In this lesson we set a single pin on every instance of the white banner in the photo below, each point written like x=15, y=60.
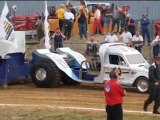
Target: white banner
x=6, y=27
x=46, y=28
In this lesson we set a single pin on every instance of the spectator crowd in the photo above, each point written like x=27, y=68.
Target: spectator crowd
x=106, y=18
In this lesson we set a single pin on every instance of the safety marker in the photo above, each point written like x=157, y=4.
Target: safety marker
x=69, y=107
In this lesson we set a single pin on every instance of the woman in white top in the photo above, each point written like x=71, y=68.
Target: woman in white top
x=137, y=41
x=111, y=38
x=126, y=37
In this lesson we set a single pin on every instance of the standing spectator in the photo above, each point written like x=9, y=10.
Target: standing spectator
x=137, y=41
x=154, y=86
x=126, y=37
x=123, y=12
x=60, y=14
x=52, y=11
x=58, y=39
x=111, y=38
x=145, y=27
x=82, y=20
x=157, y=27
x=116, y=19
x=83, y=6
x=114, y=94
x=156, y=45
x=107, y=17
x=38, y=25
x=73, y=11
x=97, y=20
x=68, y=22
x=130, y=24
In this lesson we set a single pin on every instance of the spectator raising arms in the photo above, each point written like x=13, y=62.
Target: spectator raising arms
x=58, y=39
x=126, y=37
x=60, y=14
x=111, y=38
x=123, y=12
x=144, y=27
x=137, y=41
x=82, y=20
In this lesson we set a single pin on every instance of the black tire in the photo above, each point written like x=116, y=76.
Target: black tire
x=51, y=76
x=142, y=84
x=68, y=81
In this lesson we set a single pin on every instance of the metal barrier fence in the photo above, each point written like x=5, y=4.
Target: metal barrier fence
x=91, y=49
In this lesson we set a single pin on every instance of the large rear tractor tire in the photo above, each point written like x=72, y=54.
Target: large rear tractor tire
x=142, y=84
x=68, y=81
x=45, y=74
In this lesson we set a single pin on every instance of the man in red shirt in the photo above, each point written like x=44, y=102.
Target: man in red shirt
x=157, y=27
x=114, y=94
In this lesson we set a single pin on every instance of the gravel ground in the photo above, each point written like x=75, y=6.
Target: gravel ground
x=79, y=45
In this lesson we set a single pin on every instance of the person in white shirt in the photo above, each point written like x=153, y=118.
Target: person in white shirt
x=111, y=38
x=126, y=37
x=137, y=41
x=156, y=45
x=68, y=22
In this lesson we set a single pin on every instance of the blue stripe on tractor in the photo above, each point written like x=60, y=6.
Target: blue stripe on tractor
x=85, y=76
x=74, y=64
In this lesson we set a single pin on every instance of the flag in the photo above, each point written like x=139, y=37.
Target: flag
x=6, y=27
x=46, y=28
x=5, y=10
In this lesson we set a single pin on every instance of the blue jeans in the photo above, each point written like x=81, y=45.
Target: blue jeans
x=114, y=22
x=82, y=30
x=145, y=31
x=139, y=48
x=156, y=50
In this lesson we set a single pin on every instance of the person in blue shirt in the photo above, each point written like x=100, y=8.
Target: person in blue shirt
x=145, y=27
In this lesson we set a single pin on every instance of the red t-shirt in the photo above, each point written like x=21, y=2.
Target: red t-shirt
x=114, y=92
x=157, y=26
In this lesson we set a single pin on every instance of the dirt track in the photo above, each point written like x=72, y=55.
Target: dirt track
x=74, y=96
x=83, y=95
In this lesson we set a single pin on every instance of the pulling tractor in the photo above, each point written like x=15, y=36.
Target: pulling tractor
x=48, y=69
